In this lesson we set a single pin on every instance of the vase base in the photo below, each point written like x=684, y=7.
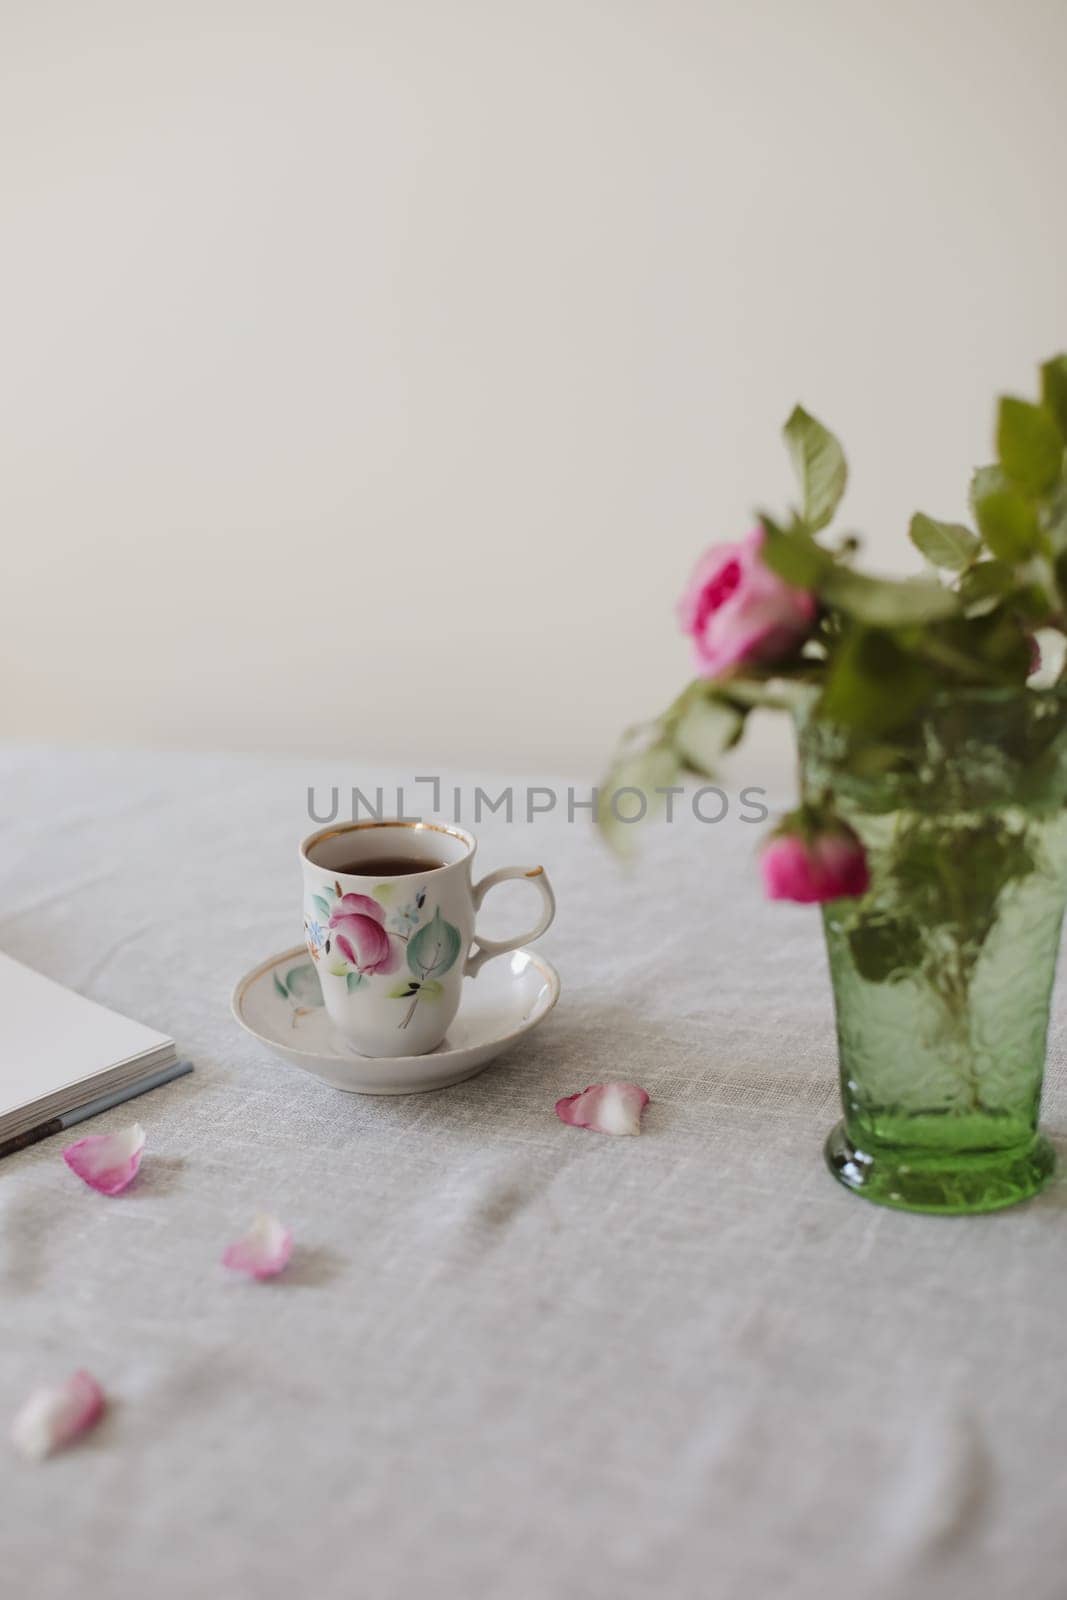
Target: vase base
x=954, y=1185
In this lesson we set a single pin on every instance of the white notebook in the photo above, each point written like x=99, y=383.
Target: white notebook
x=60, y=1053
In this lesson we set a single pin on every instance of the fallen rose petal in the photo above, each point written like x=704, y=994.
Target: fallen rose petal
x=605, y=1108
x=263, y=1251
x=107, y=1162
x=51, y=1418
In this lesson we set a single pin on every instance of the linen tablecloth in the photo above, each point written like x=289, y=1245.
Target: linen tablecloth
x=510, y=1359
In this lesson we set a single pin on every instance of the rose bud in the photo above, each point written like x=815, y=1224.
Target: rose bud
x=812, y=862
x=738, y=612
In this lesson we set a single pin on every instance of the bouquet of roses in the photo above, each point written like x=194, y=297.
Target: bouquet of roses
x=783, y=617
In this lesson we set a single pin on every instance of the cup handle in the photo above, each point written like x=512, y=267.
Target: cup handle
x=487, y=948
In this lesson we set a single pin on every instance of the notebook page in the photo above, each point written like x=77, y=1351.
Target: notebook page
x=52, y=1038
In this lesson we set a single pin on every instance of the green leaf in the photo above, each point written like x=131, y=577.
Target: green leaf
x=888, y=602
x=983, y=481
x=1054, y=519
x=953, y=873
x=353, y=980
x=1006, y=519
x=820, y=466
x=885, y=949
x=992, y=648
x=706, y=730
x=985, y=586
x=874, y=685
x=794, y=555
x=433, y=988
x=303, y=984
x=946, y=544
x=433, y=949
x=1029, y=444
x=655, y=767
x=1033, y=604
x=328, y=893
x=383, y=892
x=337, y=969
x=321, y=906
x=280, y=987
x=403, y=991
x=1054, y=390
x=881, y=602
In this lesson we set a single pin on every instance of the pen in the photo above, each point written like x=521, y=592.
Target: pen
x=92, y=1108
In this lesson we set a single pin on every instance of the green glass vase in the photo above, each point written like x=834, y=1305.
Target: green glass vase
x=942, y=974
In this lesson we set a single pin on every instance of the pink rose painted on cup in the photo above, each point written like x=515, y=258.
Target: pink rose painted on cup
x=813, y=865
x=737, y=611
x=357, y=929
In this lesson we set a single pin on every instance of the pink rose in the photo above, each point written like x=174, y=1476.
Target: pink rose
x=810, y=867
x=737, y=610
x=356, y=928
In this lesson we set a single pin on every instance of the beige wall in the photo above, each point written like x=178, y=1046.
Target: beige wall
x=373, y=372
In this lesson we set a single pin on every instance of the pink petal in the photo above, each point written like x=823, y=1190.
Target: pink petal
x=51, y=1418
x=363, y=942
x=107, y=1162
x=357, y=904
x=830, y=866
x=738, y=611
x=390, y=961
x=605, y=1108
x=263, y=1251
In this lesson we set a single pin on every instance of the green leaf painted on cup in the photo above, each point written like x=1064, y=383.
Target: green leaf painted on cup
x=434, y=948
x=279, y=987
x=322, y=906
x=383, y=892
x=432, y=989
x=402, y=991
x=353, y=981
x=303, y=985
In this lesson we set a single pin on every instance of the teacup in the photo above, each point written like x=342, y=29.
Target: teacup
x=392, y=949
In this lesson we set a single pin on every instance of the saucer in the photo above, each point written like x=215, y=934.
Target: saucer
x=280, y=1004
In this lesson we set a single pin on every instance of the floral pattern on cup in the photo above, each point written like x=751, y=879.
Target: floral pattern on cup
x=356, y=940
x=299, y=988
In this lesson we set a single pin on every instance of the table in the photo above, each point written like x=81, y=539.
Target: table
x=510, y=1359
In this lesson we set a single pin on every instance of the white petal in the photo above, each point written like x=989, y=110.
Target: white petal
x=263, y=1251
x=107, y=1162
x=605, y=1108
x=51, y=1418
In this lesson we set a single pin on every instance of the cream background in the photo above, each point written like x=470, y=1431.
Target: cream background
x=372, y=374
